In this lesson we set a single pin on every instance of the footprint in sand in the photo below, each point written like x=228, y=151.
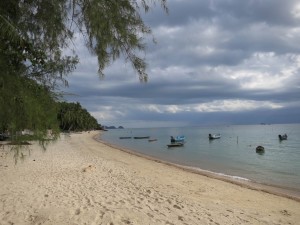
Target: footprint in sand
x=285, y=212
x=88, y=169
x=77, y=212
x=176, y=206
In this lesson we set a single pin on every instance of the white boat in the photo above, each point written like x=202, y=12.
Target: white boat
x=282, y=137
x=214, y=136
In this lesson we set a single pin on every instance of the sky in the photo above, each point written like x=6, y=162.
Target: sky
x=215, y=62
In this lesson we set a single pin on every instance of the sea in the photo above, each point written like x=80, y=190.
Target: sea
x=233, y=155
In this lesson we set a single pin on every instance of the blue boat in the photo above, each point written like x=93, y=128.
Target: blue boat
x=178, y=139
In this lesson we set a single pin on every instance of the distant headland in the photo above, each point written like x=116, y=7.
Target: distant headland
x=113, y=127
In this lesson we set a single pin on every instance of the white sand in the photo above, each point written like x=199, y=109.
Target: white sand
x=81, y=181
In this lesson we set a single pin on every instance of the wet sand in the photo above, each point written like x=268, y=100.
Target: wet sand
x=78, y=180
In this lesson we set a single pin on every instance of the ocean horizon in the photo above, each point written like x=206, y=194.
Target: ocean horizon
x=233, y=155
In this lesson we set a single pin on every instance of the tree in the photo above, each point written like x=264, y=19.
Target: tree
x=41, y=29
x=73, y=117
x=26, y=105
x=33, y=63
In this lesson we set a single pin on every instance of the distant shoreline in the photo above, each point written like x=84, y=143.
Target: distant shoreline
x=270, y=189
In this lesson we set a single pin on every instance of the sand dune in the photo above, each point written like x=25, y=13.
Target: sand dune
x=78, y=180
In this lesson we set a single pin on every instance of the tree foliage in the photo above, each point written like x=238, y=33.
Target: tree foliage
x=26, y=105
x=34, y=36
x=73, y=117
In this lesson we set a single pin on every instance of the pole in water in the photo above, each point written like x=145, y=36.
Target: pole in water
x=237, y=139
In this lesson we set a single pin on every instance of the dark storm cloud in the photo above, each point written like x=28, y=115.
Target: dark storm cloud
x=227, y=13
x=226, y=61
x=180, y=13
x=272, y=12
x=242, y=27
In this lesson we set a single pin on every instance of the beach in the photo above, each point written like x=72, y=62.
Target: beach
x=79, y=180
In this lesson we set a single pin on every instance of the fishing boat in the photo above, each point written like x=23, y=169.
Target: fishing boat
x=125, y=137
x=178, y=144
x=260, y=149
x=152, y=139
x=142, y=137
x=214, y=136
x=178, y=139
x=282, y=137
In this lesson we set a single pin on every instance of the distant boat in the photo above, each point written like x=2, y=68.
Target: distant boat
x=260, y=149
x=214, y=136
x=282, y=137
x=178, y=144
x=141, y=137
x=125, y=137
x=178, y=139
x=3, y=137
x=153, y=139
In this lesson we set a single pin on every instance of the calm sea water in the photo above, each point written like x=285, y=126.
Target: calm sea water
x=234, y=154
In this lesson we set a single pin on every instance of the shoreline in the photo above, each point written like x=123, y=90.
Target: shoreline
x=243, y=182
x=80, y=180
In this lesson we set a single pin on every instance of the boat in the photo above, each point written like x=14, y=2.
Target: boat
x=142, y=137
x=282, y=137
x=125, y=137
x=260, y=149
x=3, y=137
x=178, y=139
x=214, y=136
x=153, y=139
x=178, y=144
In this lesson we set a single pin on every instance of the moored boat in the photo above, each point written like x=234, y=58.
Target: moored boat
x=178, y=144
x=282, y=137
x=152, y=139
x=141, y=137
x=178, y=139
x=260, y=149
x=125, y=137
x=4, y=137
x=214, y=136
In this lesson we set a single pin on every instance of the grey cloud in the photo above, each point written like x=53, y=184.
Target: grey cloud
x=200, y=45
x=272, y=12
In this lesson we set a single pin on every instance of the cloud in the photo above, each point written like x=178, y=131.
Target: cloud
x=225, y=61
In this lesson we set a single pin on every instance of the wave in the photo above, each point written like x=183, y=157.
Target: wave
x=218, y=174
